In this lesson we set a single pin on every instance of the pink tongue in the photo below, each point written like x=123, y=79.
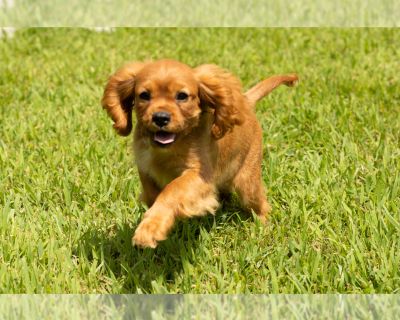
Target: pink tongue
x=164, y=137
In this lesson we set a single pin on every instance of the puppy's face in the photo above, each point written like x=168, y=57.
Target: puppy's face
x=168, y=98
x=166, y=101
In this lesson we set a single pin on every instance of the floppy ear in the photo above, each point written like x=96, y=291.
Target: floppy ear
x=118, y=97
x=221, y=91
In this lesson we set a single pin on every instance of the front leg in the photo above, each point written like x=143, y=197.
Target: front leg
x=150, y=190
x=186, y=196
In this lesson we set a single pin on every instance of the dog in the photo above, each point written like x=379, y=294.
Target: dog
x=196, y=137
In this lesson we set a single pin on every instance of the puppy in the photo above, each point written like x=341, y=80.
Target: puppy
x=196, y=137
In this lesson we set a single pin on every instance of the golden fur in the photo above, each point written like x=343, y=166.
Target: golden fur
x=216, y=139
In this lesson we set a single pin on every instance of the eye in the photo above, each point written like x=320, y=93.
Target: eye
x=182, y=96
x=145, y=96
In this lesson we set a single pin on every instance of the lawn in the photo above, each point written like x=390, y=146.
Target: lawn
x=69, y=189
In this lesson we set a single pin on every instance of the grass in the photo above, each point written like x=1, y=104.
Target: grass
x=225, y=13
x=69, y=190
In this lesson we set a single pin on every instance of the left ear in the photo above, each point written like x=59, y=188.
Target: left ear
x=221, y=91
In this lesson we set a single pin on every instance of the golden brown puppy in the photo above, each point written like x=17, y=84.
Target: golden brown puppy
x=196, y=137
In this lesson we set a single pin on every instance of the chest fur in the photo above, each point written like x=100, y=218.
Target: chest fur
x=162, y=167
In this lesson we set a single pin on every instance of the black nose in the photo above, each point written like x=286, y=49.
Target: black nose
x=161, y=118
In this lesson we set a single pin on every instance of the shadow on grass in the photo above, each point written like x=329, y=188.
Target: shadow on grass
x=150, y=270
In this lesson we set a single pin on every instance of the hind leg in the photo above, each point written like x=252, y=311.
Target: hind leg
x=252, y=196
x=249, y=187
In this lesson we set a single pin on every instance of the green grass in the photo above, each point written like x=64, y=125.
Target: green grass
x=69, y=189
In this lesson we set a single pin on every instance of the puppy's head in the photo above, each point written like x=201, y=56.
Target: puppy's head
x=169, y=98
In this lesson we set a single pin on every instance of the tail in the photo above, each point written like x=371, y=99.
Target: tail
x=260, y=90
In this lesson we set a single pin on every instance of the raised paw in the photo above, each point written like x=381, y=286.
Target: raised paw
x=149, y=232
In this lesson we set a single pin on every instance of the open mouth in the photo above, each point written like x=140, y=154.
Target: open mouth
x=164, y=138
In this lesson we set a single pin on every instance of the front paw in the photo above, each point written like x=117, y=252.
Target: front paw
x=149, y=232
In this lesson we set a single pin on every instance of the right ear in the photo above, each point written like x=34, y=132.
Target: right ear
x=118, y=97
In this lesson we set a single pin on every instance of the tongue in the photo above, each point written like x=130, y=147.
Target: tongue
x=164, y=137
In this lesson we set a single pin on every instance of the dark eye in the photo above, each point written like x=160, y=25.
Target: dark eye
x=182, y=96
x=145, y=96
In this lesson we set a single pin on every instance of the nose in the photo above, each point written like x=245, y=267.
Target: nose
x=161, y=118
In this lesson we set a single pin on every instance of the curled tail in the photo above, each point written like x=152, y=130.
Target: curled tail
x=263, y=88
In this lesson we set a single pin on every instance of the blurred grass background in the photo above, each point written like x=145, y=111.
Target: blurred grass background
x=205, y=13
